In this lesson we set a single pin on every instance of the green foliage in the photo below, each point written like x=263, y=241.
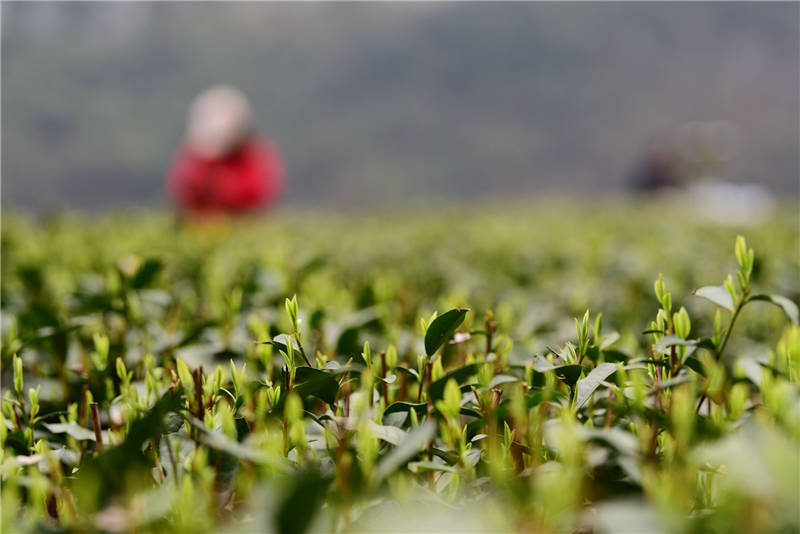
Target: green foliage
x=187, y=401
x=442, y=328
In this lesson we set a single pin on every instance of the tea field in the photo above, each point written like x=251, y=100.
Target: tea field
x=551, y=366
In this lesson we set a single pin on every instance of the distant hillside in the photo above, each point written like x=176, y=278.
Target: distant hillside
x=383, y=103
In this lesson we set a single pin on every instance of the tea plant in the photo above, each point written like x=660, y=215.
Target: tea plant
x=192, y=392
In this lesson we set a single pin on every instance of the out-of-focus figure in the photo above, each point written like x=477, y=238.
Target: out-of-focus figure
x=660, y=169
x=687, y=164
x=224, y=166
x=685, y=155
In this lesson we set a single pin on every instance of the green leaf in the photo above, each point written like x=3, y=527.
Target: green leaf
x=716, y=294
x=388, y=433
x=237, y=386
x=569, y=373
x=399, y=407
x=615, y=356
x=424, y=466
x=666, y=342
x=609, y=339
x=405, y=407
x=71, y=429
x=281, y=341
x=310, y=382
x=414, y=442
x=469, y=412
x=46, y=332
x=752, y=369
x=674, y=381
x=448, y=456
x=185, y=375
x=173, y=423
x=442, y=329
x=502, y=379
x=695, y=365
x=125, y=465
x=591, y=382
x=220, y=442
x=740, y=250
x=788, y=307
x=682, y=323
x=147, y=273
x=451, y=401
x=436, y=389
x=301, y=499
x=390, y=379
x=412, y=372
x=622, y=441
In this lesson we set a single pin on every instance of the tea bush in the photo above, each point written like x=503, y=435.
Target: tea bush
x=561, y=366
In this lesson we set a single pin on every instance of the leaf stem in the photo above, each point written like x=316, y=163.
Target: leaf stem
x=302, y=351
x=723, y=343
x=383, y=375
x=198, y=393
x=98, y=434
x=171, y=455
x=728, y=331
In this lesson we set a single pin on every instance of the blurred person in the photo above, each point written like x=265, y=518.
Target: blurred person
x=224, y=167
x=660, y=169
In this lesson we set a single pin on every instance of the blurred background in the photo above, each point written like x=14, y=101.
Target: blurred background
x=387, y=104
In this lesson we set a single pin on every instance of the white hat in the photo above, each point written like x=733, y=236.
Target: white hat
x=219, y=119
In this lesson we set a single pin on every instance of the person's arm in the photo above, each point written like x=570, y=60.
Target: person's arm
x=185, y=181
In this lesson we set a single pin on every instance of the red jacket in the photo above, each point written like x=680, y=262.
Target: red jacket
x=249, y=178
